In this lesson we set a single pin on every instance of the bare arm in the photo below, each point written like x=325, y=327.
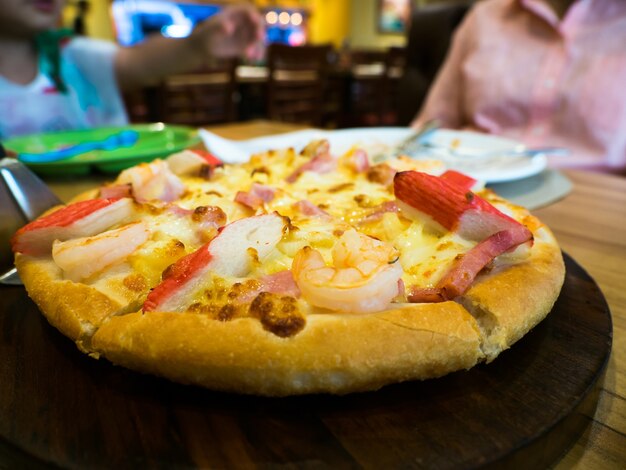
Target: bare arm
x=237, y=31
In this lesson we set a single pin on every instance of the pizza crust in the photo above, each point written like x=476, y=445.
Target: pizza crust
x=512, y=300
x=76, y=310
x=334, y=353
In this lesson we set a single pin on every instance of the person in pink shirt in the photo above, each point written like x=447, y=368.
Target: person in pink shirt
x=545, y=72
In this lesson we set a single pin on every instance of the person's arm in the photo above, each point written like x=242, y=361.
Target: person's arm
x=444, y=101
x=236, y=31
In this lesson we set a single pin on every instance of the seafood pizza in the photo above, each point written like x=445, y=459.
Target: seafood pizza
x=296, y=272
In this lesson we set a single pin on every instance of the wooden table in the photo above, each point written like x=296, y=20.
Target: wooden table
x=590, y=225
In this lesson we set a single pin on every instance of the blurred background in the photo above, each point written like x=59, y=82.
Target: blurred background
x=369, y=59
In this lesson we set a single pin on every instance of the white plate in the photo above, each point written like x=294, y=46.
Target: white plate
x=377, y=139
x=501, y=166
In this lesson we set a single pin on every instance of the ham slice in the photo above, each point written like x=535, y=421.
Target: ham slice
x=308, y=208
x=116, y=191
x=378, y=212
x=322, y=163
x=465, y=269
x=258, y=195
x=358, y=161
x=281, y=283
x=417, y=294
x=467, y=266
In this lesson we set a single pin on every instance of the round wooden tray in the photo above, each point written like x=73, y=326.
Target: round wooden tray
x=60, y=407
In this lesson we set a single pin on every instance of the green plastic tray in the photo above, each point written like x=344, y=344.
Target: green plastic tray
x=155, y=141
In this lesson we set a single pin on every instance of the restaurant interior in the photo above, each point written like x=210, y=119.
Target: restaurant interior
x=329, y=65
x=356, y=57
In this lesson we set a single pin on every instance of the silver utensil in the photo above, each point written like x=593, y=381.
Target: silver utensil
x=10, y=278
x=467, y=154
x=410, y=144
x=23, y=197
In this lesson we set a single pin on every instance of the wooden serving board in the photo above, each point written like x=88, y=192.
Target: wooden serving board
x=59, y=407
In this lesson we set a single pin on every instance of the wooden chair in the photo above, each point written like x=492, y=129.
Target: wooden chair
x=295, y=87
x=395, y=65
x=141, y=105
x=206, y=96
x=367, y=88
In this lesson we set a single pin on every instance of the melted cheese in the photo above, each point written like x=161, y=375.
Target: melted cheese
x=348, y=197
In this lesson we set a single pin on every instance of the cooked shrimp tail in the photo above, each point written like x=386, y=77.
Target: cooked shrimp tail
x=363, y=277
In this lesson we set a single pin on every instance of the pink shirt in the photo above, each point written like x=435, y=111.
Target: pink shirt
x=515, y=69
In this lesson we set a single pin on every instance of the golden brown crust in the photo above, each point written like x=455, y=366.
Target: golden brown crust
x=76, y=310
x=511, y=300
x=333, y=353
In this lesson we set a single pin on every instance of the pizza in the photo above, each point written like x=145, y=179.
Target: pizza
x=300, y=271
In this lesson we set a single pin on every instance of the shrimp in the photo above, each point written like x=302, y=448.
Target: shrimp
x=83, y=257
x=364, y=277
x=151, y=181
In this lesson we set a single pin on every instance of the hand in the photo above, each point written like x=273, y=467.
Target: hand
x=237, y=31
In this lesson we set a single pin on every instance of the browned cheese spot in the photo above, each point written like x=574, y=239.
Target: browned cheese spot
x=242, y=289
x=211, y=309
x=227, y=312
x=151, y=209
x=341, y=187
x=288, y=225
x=444, y=245
x=381, y=173
x=216, y=214
x=135, y=282
x=278, y=314
x=363, y=201
x=254, y=257
x=261, y=170
x=206, y=172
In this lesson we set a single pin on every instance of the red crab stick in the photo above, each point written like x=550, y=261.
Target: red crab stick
x=450, y=205
x=228, y=254
x=460, y=180
x=81, y=219
x=472, y=217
